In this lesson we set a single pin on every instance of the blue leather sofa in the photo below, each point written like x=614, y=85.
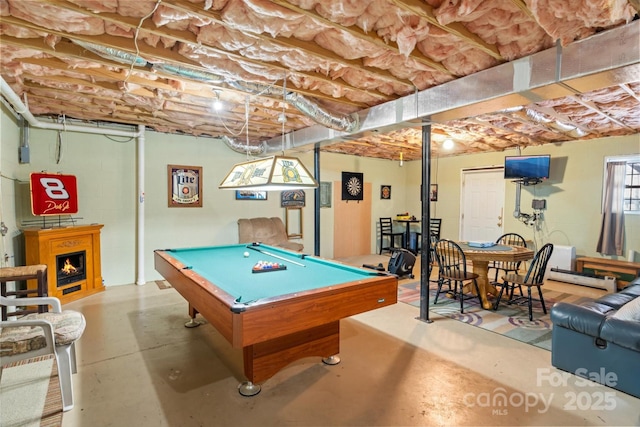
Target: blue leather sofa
x=592, y=341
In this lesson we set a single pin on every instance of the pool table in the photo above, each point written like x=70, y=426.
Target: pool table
x=278, y=316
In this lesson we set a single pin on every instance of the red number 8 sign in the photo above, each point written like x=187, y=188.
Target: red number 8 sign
x=53, y=194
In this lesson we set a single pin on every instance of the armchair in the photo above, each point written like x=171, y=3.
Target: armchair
x=38, y=334
x=270, y=231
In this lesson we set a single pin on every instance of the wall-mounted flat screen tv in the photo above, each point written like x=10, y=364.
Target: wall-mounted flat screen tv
x=527, y=167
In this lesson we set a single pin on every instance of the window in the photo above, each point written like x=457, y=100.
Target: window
x=631, y=193
x=632, y=188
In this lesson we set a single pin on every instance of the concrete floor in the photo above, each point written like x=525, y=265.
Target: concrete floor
x=139, y=366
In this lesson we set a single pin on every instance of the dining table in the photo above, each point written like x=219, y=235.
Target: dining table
x=480, y=258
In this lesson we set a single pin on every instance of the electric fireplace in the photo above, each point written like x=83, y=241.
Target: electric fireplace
x=72, y=256
x=70, y=268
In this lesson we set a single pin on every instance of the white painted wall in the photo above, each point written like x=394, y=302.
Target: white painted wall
x=573, y=193
x=106, y=172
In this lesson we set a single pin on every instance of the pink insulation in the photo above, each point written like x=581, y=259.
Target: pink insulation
x=342, y=55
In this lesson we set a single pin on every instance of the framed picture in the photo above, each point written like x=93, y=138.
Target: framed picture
x=251, y=195
x=385, y=192
x=185, y=186
x=433, y=193
x=292, y=198
x=325, y=194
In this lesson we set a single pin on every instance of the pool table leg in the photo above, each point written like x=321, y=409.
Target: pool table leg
x=192, y=323
x=333, y=360
x=249, y=389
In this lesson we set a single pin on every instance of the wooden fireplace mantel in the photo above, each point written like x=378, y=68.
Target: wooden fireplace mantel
x=42, y=245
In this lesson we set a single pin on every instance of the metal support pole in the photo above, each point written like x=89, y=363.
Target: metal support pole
x=425, y=253
x=316, y=212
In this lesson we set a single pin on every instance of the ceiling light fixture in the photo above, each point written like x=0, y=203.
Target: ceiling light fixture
x=447, y=144
x=401, y=160
x=275, y=173
x=217, y=104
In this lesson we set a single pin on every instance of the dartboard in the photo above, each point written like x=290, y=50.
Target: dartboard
x=354, y=186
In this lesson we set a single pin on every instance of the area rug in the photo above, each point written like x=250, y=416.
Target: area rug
x=509, y=320
x=30, y=393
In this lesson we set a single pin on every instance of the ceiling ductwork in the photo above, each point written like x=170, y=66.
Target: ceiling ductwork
x=238, y=147
x=345, y=123
x=356, y=78
x=570, y=129
x=587, y=65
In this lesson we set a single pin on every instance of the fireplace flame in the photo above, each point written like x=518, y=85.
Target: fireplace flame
x=68, y=267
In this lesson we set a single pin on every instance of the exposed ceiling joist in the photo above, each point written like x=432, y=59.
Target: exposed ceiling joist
x=364, y=36
x=425, y=11
x=361, y=77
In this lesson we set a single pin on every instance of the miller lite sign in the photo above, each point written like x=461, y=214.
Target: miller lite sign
x=53, y=194
x=185, y=186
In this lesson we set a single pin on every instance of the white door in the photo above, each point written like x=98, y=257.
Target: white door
x=482, y=209
x=2, y=252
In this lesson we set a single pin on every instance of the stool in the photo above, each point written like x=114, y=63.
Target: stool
x=30, y=272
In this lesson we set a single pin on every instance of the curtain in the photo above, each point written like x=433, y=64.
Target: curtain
x=611, y=241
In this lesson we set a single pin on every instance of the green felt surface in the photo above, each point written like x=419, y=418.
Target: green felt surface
x=227, y=268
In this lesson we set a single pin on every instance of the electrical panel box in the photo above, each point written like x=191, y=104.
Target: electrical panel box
x=24, y=155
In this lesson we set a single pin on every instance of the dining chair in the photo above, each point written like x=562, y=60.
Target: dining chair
x=432, y=260
x=452, y=267
x=386, y=230
x=533, y=278
x=434, y=229
x=508, y=239
x=434, y=226
x=37, y=334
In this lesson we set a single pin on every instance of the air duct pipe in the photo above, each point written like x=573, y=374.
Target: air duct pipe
x=345, y=123
x=570, y=129
x=183, y=72
x=606, y=58
x=114, y=54
x=242, y=148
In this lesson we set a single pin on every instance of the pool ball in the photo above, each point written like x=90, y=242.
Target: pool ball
x=246, y=254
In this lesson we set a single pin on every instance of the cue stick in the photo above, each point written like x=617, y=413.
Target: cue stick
x=275, y=256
